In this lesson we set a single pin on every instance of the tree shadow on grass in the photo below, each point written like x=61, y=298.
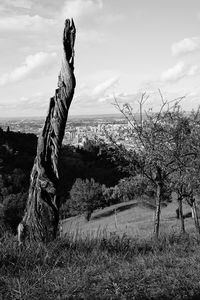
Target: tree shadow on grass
x=112, y=211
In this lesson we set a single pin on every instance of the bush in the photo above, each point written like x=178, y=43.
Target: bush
x=85, y=197
x=13, y=210
x=129, y=188
x=64, y=211
x=110, y=195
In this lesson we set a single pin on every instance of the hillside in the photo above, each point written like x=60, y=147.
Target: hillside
x=132, y=218
x=103, y=266
x=113, y=256
x=17, y=153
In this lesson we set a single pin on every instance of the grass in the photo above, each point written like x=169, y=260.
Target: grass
x=101, y=267
x=132, y=218
x=106, y=259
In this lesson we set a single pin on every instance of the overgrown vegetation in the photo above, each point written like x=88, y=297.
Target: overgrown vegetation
x=102, y=267
x=17, y=152
x=164, y=149
x=165, y=159
x=85, y=197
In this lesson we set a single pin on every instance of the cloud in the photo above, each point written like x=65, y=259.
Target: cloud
x=111, y=18
x=92, y=95
x=25, y=23
x=12, y=6
x=79, y=9
x=105, y=87
x=90, y=36
x=198, y=15
x=89, y=17
x=185, y=46
x=17, y=3
x=31, y=64
x=179, y=71
x=121, y=98
x=35, y=105
x=38, y=102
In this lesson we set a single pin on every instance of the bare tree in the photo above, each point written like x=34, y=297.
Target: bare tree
x=41, y=218
x=186, y=152
x=152, y=138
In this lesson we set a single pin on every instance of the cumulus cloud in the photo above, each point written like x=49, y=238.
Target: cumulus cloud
x=89, y=17
x=198, y=15
x=105, y=90
x=12, y=6
x=90, y=36
x=111, y=18
x=25, y=23
x=105, y=87
x=36, y=104
x=86, y=14
x=185, y=46
x=79, y=9
x=31, y=64
x=18, y=3
x=121, y=98
x=100, y=96
x=179, y=71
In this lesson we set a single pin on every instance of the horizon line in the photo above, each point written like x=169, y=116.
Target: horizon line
x=69, y=116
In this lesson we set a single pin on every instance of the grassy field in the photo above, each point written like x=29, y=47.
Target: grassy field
x=130, y=218
x=106, y=258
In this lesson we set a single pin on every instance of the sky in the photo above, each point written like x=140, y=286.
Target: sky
x=123, y=48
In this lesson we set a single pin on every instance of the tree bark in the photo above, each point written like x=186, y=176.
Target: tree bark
x=158, y=210
x=180, y=207
x=191, y=201
x=41, y=218
x=195, y=216
x=158, y=181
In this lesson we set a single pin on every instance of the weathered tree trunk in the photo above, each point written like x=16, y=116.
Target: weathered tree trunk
x=180, y=207
x=191, y=201
x=195, y=216
x=159, y=185
x=41, y=217
x=158, y=210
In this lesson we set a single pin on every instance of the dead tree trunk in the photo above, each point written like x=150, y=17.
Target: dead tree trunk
x=40, y=221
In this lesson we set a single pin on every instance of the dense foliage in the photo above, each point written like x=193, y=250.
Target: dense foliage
x=86, y=196
x=17, y=153
x=13, y=209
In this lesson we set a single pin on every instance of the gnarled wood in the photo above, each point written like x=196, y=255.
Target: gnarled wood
x=41, y=217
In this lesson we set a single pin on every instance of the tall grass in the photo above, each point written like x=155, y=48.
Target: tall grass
x=101, y=267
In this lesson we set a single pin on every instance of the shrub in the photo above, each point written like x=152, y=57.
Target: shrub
x=13, y=210
x=85, y=197
x=131, y=187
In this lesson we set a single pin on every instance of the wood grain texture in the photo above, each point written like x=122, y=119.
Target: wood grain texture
x=41, y=217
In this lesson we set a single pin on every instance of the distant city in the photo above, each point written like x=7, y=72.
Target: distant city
x=79, y=129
